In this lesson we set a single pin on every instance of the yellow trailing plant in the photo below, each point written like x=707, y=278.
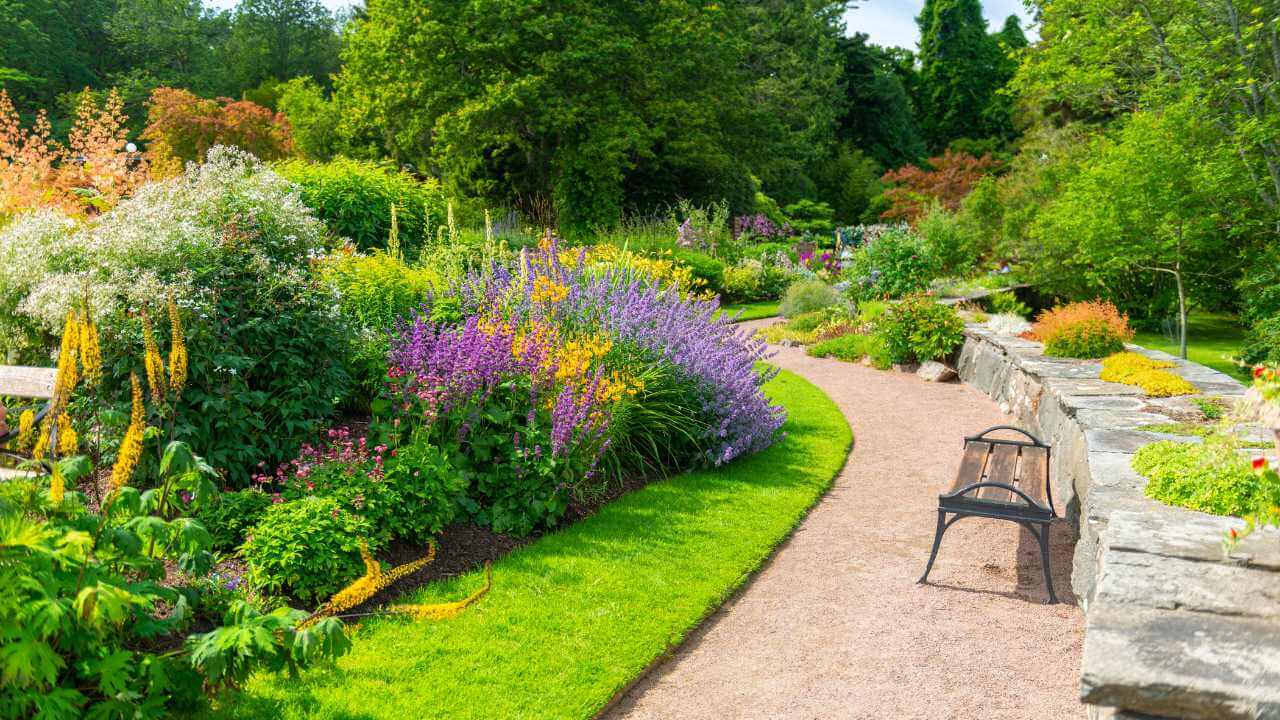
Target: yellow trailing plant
x=375, y=580
x=177, y=349
x=1147, y=373
x=152, y=361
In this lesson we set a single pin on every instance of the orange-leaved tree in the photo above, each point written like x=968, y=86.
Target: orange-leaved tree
x=182, y=126
x=947, y=180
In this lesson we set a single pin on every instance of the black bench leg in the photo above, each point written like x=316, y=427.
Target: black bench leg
x=937, y=541
x=1043, y=537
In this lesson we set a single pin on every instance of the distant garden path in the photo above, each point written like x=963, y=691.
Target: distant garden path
x=835, y=626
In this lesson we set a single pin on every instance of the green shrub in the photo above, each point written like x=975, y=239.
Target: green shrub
x=1262, y=342
x=742, y=282
x=806, y=296
x=895, y=264
x=427, y=489
x=852, y=348
x=353, y=198
x=309, y=548
x=374, y=291
x=918, y=329
x=1209, y=476
x=869, y=310
x=229, y=518
x=1006, y=303
x=947, y=240
x=704, y=268
x=807, y=216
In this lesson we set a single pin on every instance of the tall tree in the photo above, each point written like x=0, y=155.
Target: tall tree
x=50, y=47
x=879, y=117
x=959, y=72
x=570, y=102
x=282, y=39
x=793, y=75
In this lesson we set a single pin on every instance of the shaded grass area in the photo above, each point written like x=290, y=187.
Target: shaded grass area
x=576, y=616
x=1212, y=340
x=752, y=311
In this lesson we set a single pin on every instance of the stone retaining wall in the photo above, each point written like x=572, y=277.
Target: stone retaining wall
x=1173, y=628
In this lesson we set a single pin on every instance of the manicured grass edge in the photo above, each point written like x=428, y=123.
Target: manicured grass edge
x=752, y=311
x=698, y=538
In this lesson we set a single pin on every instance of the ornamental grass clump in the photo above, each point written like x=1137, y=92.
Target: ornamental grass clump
x=1149, y=374
x=1086, y=330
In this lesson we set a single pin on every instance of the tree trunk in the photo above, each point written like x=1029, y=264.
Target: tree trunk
x=1182, y=312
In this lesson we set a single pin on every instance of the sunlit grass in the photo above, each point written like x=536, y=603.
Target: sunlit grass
x=752, y=311
x=574, y=617
x=1212, y=340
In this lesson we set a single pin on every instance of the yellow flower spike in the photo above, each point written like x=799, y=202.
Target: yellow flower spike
x=151, y=359
x=368, y=585
x=65, y=378
x=26, y=430
x=177, y=349
x=41, y=448
x=57, y=485
x=131, y=446
x=441, y=611
x=90, y=352
x=68, y=442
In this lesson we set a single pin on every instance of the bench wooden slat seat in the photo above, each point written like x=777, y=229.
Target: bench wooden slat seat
x=1003, y=480
x=32, y=383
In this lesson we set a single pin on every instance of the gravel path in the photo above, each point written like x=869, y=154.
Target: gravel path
x=835, y=626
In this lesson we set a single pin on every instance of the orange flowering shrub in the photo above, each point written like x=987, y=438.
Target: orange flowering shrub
x=182, y=126
x=88, y=175
x=1089, y=329
x=948, y=179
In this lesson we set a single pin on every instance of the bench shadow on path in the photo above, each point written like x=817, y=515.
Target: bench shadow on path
x=1030, y=575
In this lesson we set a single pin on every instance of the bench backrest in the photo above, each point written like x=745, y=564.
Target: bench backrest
x=27, y=382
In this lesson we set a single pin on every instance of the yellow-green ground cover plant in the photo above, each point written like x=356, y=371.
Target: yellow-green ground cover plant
x=1147, y=373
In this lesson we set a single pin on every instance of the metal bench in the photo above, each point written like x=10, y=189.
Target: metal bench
x=1004, y=480
x=31, y=383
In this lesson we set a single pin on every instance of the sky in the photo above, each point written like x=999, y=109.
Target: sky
x=888, y=22
x=892, y=23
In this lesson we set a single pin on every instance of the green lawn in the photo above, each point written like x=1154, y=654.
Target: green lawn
x=752, y=311
x=574, y=617
x=1212, y=339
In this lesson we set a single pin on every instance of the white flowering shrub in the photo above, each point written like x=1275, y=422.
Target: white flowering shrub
x=233, y=243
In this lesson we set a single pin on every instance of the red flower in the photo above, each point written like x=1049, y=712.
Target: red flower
x=1234, y=535
x=1259, y=463
x=1257, y=371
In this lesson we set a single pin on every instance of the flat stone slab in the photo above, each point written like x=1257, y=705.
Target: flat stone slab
x=1197, y=666
x=1179, y=533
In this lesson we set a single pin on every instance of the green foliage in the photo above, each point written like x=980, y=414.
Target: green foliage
x=919, y=329
x=426, y=489
x=961, y=69
x=309, y=547
x=229, y=517
x=1006, y=303
x=1210, y=477
x=353, y=198
x=374, y=291
x=713, y=93
x=897, y=263
x=878, y=114
x=314, y=119
x=705, y=268
x=1260, y=309
x=805, y=296
x=947, y=239
x=809, y=217
x=852, y=348
x=91, y=627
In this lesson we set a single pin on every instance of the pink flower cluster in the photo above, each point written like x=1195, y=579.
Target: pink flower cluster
x=342, y=449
